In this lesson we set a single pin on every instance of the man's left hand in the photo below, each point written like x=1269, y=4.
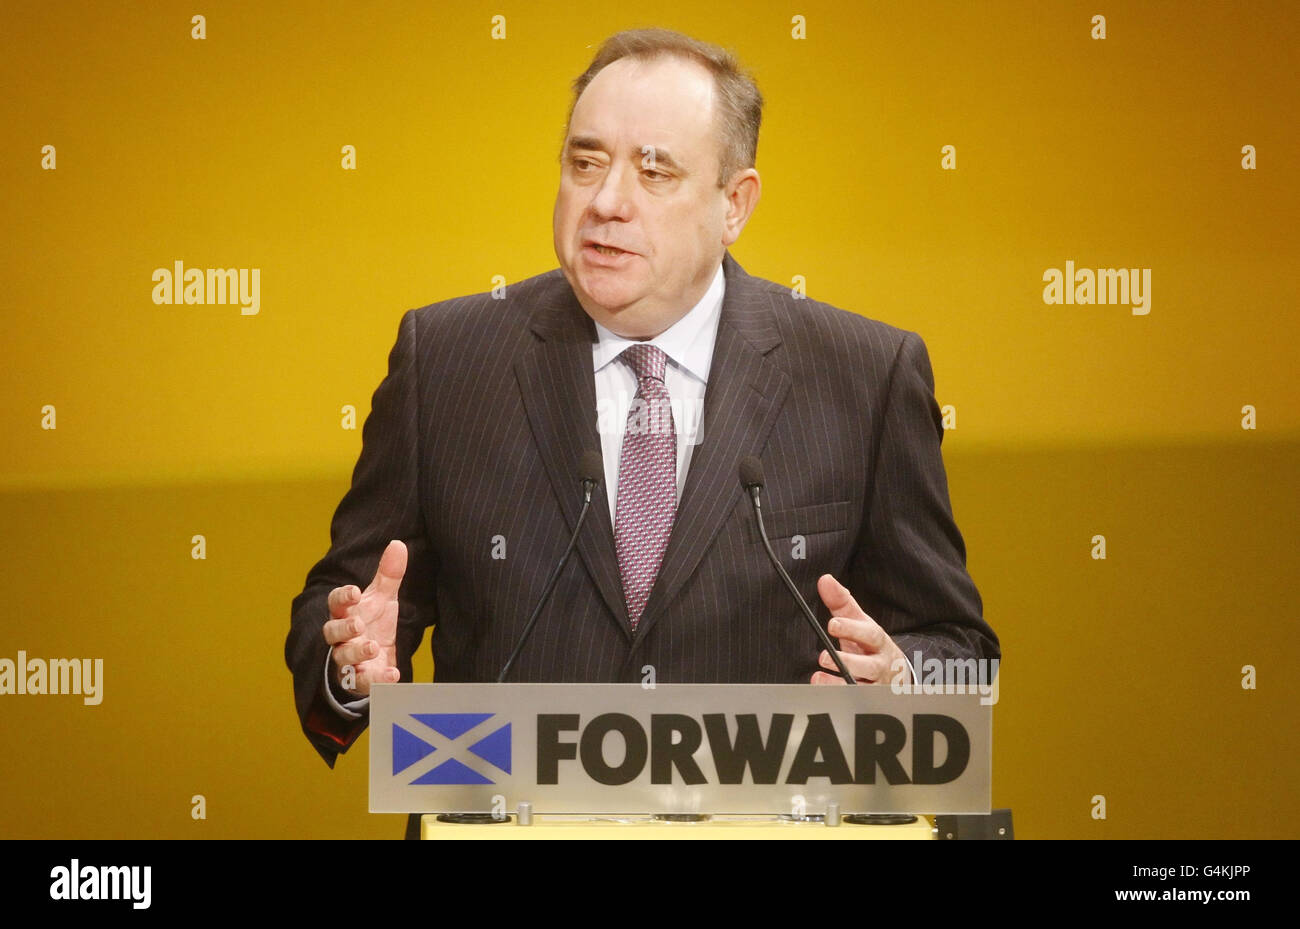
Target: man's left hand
x=866, y=649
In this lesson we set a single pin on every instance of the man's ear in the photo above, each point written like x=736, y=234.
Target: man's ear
x=743, y=191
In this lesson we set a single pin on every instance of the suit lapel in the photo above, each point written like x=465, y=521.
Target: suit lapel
x=559, y=390
x=741, y=402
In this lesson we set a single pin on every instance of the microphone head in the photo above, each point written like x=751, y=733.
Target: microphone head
x=592, y=467
x=751, y=472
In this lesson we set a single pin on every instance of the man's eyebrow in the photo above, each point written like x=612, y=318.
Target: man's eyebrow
x=662, y=157
x=586, y=143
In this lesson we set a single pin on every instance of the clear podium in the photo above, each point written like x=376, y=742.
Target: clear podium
x=680, y=761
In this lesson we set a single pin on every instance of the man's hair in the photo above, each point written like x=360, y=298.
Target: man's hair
x=739, y=105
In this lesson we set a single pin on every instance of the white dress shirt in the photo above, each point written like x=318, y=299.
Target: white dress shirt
x=688, y=343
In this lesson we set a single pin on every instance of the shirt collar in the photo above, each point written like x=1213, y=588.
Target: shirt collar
x=687, y=342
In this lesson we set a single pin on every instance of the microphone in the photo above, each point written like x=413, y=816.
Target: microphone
x=751, y=478
x=590, y=469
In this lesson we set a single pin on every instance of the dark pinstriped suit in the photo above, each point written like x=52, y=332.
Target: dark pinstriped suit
x=477, y=432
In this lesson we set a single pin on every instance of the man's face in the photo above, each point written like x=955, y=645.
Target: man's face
x=639, y=173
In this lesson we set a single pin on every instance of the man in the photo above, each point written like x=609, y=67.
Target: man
x=469, y=478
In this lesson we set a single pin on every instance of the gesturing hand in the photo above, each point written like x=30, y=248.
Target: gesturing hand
x=362, y=627
x=866, y=649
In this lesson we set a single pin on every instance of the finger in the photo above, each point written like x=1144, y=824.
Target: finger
x=355, y=651
x=392, y=568
x=838, y=599
x=341, y=598
x=868, y=668
x=821, y=677
x=378, y=673
x=374, y=672
x=865, y=633
x=338, y=631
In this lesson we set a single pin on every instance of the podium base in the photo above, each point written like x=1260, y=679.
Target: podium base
x=472, y=819
x=649, y=827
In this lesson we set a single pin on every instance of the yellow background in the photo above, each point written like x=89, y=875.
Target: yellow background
x=1122, y=677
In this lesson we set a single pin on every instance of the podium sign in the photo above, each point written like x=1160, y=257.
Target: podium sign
x=677, y=748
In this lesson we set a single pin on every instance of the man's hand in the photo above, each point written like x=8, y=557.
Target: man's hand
x=362, y=627
x=867, y=650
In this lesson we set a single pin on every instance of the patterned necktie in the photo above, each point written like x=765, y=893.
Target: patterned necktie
x=647, y=479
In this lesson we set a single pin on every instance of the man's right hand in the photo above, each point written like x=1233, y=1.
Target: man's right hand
x=362, y=627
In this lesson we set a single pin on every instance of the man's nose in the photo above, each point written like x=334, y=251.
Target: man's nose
x=613, y=200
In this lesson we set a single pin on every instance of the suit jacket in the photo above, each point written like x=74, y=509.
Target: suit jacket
x=473, y=445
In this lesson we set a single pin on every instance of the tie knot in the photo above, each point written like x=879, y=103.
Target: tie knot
x=646, y=360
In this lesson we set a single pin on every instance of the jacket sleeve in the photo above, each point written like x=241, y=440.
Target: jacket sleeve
x=911, y=560
x=383, y=503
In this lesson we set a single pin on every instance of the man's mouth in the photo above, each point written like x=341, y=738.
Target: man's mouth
x=607, y=250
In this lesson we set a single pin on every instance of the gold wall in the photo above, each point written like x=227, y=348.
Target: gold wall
x=1122, y=677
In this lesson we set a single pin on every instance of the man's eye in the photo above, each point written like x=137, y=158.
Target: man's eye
x=656, y=175
x=582, y=164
